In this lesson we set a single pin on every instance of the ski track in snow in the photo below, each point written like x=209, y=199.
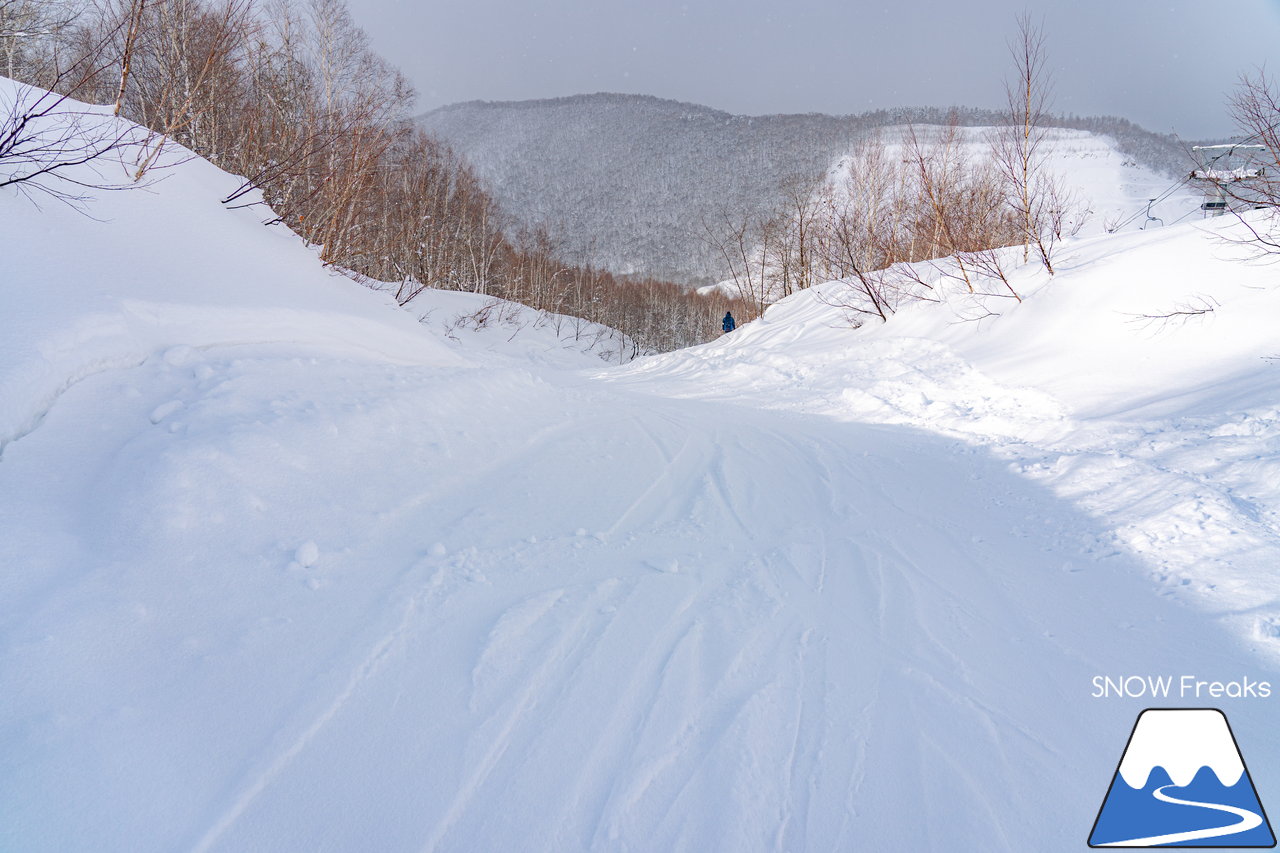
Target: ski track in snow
x=1179, y=483
x=777, y=631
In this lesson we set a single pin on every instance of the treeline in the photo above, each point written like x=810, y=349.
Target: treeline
x=916, y=215
x=291, y=96
x=899, y=219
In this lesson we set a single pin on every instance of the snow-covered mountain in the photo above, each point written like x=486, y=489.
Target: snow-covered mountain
x=1182, y=742
x=286, y=568
x=629, y=180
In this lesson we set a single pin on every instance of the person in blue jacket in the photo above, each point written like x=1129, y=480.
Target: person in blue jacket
x=727, y=323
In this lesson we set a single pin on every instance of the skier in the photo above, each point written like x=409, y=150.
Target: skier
x=727, y=323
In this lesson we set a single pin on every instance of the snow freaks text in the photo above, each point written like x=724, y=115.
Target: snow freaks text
x=1177, y=687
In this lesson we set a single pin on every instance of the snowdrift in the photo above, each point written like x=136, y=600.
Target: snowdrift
x=496, y=330
x=1140, y=381
x=147, y=267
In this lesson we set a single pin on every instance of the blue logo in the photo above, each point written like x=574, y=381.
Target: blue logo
x=1182, y=782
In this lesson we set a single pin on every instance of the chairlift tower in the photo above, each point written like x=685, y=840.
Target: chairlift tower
x=1225, y=172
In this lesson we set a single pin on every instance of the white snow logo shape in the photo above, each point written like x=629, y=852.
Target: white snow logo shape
x=1181, y=782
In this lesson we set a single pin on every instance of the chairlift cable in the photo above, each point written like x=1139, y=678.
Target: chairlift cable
x=1164, y=195
x=1209, y=165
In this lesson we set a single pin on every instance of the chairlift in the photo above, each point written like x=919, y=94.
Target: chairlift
x=1225, y=173
x=1151, y=218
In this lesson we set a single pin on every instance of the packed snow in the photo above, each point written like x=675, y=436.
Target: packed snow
x=289, y=569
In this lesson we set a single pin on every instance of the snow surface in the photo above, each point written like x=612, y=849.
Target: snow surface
x=1166, y=430
x=491, y=329
x=156, y=271
x=288, y=570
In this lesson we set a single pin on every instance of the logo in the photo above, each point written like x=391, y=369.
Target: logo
x=1181, y=782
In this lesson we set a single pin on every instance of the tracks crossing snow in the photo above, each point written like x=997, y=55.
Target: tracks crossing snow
x=774, y=631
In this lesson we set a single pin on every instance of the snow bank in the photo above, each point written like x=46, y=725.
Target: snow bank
x=100, y=289
x=498, y=330
x=1093, y=336
x=1164, y=427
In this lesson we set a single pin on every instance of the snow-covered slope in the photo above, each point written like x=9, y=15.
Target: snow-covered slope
x=1140, y=382
x=1109, y=188
x=287, y=570
x=162, y=264
x=491, y=329
x=1113, y=187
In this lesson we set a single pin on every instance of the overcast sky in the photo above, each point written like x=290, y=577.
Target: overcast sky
x=1166, y=65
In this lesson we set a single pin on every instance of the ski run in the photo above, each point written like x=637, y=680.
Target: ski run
x=289, y=567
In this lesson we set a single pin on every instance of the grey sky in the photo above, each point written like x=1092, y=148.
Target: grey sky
x=1166, y=65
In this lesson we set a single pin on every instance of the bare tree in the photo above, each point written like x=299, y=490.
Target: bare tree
x=1019, y=148
x=133, y=25
x=941, y=171
x=794, y=264
x=745, y=243
x=45, y=136
x=860, y=233
x=1255, y=106
x=190, y=73
x=26, y=27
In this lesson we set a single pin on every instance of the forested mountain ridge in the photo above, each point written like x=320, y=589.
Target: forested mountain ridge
x=627, y=181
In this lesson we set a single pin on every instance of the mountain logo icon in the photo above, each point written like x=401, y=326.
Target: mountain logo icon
x=1182, y=782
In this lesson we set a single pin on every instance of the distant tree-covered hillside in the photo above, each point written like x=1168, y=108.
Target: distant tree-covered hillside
x=626, y=181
